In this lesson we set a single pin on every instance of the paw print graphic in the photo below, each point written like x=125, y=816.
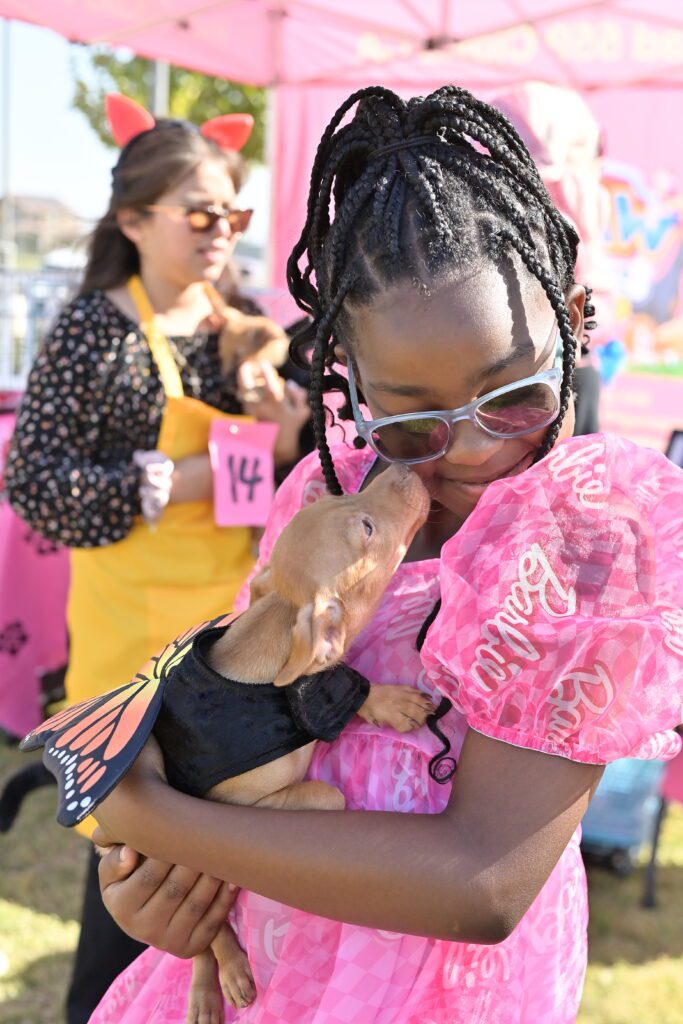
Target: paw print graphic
x=41, y=545
x=12, y=638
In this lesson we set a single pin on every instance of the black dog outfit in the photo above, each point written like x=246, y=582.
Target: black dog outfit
x=212, y=728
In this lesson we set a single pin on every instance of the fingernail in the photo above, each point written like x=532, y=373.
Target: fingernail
x=231, y=886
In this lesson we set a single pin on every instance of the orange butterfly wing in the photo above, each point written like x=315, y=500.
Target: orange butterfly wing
x=90, y=746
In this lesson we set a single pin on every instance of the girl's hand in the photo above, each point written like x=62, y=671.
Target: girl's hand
x=166, y=906
x=266, y=396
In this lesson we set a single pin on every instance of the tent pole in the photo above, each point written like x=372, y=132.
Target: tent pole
x=161, y=88
x=7, y=227
x=276, y=16
x=271, y=163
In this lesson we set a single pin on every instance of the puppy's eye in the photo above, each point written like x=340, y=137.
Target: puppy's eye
x=368, y=526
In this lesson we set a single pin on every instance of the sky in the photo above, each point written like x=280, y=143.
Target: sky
x=53, y=151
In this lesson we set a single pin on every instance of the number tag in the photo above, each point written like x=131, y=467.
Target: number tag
x=242, y=462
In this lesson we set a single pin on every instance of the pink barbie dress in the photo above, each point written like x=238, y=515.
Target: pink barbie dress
x=560, y=630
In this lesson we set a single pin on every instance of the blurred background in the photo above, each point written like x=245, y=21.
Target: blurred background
x=596, y=90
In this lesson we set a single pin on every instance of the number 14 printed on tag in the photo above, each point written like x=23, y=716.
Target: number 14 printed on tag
x=242, y=461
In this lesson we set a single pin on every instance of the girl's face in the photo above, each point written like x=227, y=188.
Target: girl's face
x=417, y=351
x=165, y=242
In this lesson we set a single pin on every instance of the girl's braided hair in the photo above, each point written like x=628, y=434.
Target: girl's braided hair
x=420, y=188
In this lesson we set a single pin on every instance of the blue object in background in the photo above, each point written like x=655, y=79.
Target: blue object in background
x=611, y=358
x=623, y=812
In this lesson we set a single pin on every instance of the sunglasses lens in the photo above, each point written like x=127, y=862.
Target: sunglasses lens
x=204, y=219
x=520, y=411
x=239, y=220
x=411, y=440
x=201, y=220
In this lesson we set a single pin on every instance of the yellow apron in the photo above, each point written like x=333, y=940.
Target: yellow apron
x=130, y=598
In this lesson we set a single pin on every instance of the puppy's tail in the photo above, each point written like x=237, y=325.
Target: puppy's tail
x=17, y=788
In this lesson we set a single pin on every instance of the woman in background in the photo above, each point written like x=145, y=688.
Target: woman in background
x=110, y=453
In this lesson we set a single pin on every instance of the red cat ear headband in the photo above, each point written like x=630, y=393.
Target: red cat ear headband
x=127, y=119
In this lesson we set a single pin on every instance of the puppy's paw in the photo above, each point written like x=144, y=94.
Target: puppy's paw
x=237, y=981
x=399, y=707
x=205, y=1003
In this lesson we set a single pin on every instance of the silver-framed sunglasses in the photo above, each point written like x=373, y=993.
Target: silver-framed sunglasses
x=517, y=409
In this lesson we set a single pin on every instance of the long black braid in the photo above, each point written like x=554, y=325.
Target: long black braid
x=420, y=188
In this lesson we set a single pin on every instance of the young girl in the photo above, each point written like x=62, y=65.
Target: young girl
x=444, y=280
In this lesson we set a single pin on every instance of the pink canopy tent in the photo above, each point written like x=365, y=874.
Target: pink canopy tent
x=585, y=43
x=625, y=55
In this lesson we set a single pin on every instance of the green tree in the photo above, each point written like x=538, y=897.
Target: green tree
x=193, y=96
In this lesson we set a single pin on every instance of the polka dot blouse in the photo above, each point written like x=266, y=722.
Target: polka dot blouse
x=93, y=397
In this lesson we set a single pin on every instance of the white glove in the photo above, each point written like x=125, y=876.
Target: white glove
x=156, y=479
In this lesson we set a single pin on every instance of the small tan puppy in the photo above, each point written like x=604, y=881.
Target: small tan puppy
x=237, y=705
x=326, y=576
x=251, y=348
x=245, y=336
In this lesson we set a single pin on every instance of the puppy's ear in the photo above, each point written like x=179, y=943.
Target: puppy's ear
x=318, y=640
x=261, y=585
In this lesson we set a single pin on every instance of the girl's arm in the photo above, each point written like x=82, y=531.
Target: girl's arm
x=468, y=874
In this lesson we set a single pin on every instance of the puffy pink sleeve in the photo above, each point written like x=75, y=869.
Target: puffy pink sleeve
x=561, y=626
x=303, y=486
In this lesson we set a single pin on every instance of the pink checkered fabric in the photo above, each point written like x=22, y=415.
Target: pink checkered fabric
x=309, y=970
x=561, y=627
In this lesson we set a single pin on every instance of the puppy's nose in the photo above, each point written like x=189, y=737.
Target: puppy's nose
x=399, y=474
x=407, y=480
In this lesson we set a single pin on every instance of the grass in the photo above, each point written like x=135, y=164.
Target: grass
x=661, y=369
x=43, y=867
x=635, y=974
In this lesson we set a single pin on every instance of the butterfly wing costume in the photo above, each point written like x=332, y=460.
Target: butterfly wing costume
x=210, y=728
x=89, y=747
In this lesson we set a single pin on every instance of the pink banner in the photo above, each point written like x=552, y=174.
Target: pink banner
x=34, y=581
x=643, y=407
